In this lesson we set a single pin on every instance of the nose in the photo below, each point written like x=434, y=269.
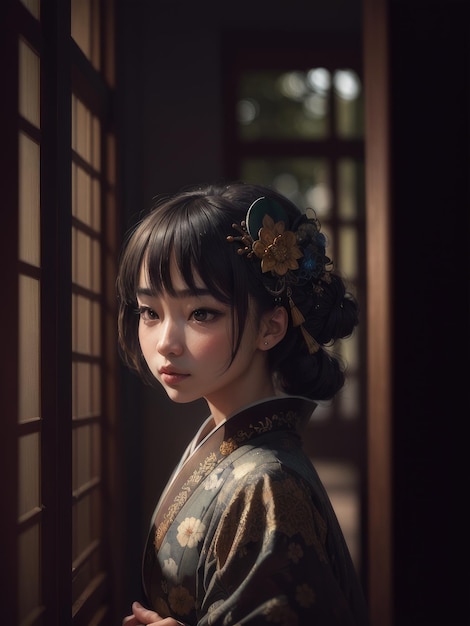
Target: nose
x=170, y=338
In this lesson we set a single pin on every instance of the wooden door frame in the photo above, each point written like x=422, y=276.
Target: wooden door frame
x=379, y=340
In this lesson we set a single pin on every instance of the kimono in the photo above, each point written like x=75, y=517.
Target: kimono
x=244, y=532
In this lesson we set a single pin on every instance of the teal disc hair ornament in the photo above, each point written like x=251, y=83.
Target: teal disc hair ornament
x=258, y=210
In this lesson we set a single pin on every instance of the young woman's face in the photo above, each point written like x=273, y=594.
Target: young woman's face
x=186, y=340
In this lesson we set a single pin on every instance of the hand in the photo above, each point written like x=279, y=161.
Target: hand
x=142, y=616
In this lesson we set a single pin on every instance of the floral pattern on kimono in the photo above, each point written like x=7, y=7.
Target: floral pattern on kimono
x=246, y=533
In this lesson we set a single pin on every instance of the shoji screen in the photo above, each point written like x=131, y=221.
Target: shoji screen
x=59, y=476
x=30, y=503
x=93, y=248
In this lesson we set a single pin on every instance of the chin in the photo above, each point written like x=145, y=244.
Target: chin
x=179, y=398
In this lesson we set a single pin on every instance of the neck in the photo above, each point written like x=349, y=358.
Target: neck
x=221, y=409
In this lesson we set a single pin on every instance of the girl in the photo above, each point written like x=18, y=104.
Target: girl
x=226, y=294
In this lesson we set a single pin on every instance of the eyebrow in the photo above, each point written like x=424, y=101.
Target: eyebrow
x=181, y=293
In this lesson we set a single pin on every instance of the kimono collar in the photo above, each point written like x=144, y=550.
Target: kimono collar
x=280, y=413
x=284, y=412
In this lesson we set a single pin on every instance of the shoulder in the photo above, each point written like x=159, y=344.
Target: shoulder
x=264, y=502
x=260, y=478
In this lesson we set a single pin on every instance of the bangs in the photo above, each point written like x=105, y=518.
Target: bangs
x=192, y=234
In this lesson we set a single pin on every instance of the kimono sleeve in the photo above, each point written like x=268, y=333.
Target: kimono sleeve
x=266, y=559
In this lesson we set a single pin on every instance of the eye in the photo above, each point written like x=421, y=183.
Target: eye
x=147, y=314
x=204, y=315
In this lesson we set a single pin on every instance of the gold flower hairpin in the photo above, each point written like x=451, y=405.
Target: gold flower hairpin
x=263, y=233
x=276, y=247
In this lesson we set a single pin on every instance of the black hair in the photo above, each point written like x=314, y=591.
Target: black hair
x=191, y=229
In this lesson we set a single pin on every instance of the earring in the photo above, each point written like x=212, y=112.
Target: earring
x=266, y=343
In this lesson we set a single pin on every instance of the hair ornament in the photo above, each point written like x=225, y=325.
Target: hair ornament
x=297, y=318
x=259, y=209
x=298, y=321
x=313, y=244
x=276, y=247
x=294, y=257
x=245, y=239
x=312, y=345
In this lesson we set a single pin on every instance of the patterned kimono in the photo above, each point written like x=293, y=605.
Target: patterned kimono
x=244, y=532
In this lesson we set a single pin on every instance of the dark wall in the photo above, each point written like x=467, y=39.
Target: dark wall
x=430, y=115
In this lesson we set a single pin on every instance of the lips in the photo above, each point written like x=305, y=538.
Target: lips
x=171, y=376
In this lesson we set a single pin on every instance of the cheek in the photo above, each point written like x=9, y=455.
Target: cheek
x=145, y=338
x=211, y=346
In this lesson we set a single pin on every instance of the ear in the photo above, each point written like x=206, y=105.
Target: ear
x=273, y=328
